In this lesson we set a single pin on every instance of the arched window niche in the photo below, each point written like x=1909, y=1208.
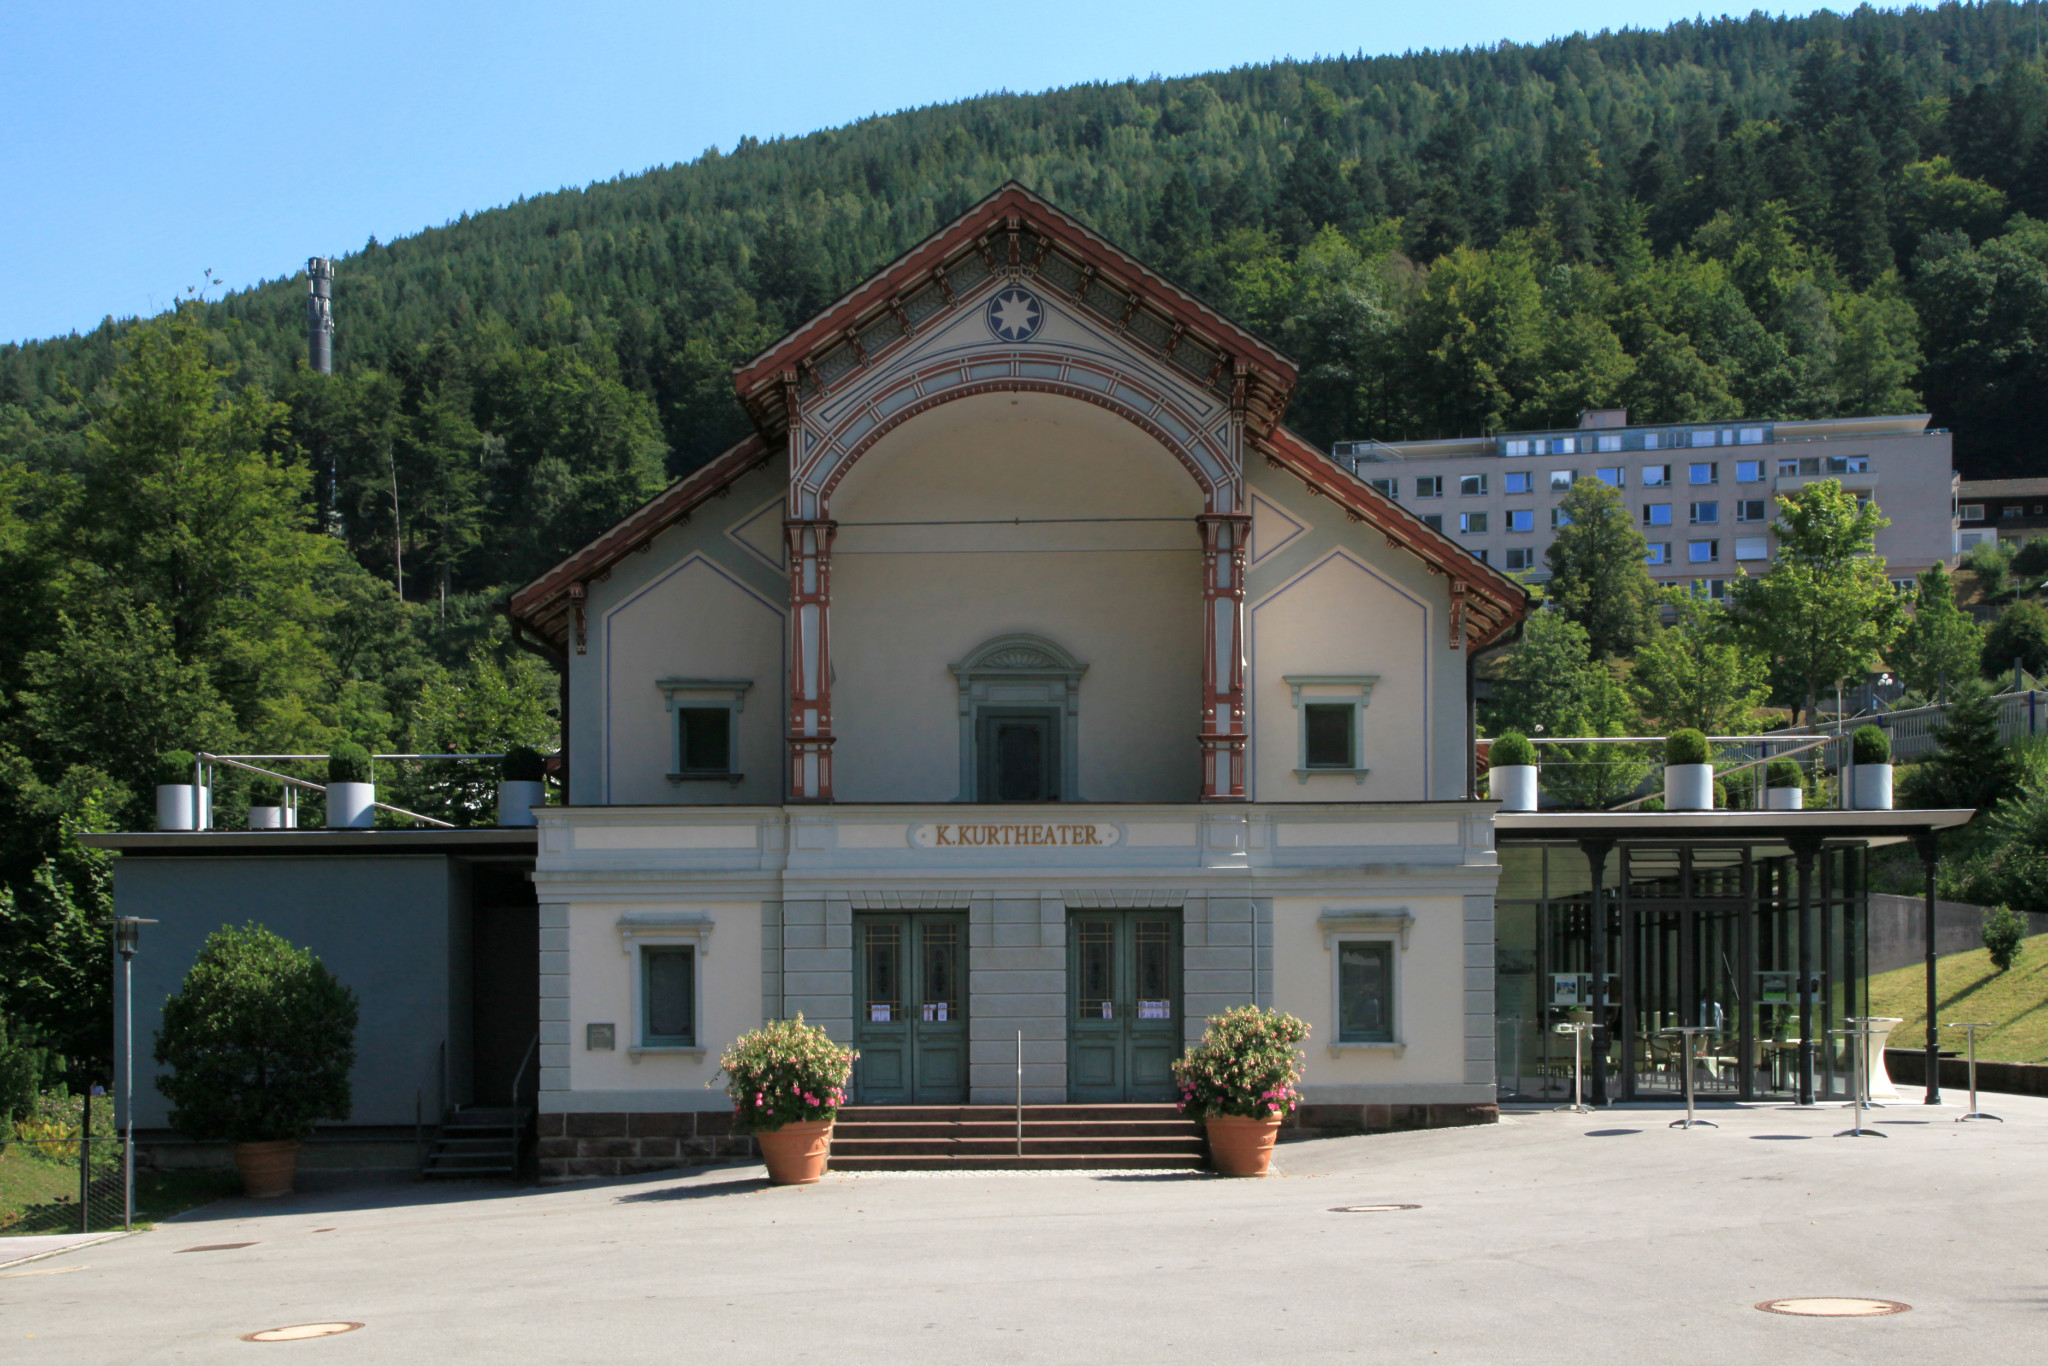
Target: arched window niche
x=1020, y=721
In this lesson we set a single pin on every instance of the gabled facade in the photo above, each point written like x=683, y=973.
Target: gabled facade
x=1022, y=682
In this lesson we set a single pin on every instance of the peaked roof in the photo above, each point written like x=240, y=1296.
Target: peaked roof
x=1010, y=227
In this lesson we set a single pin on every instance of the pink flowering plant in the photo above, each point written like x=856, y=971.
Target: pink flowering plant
x=786, y=1072
x=1245, y=1065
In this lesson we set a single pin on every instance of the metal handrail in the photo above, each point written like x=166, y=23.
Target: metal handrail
x=519, y=1077
x=319, y=787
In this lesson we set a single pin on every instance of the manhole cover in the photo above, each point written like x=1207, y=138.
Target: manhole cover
x=1834, y=1307
x=1368, y=1209
x=299, y=1331
x=215, y=1247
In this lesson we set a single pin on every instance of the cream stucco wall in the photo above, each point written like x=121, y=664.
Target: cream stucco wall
x=1016, y=513
x=602, y=987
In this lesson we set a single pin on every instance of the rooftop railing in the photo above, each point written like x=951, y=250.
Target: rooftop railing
x=205, y=763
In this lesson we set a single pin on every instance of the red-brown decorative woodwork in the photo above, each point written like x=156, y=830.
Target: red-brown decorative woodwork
x=810, y=658
x=1224, y=538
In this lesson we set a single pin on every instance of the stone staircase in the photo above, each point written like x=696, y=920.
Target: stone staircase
x=477, y=1141
x=873, y=1138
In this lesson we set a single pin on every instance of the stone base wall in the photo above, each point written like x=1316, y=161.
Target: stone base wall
x=1332, y=1121
x=577, y=1147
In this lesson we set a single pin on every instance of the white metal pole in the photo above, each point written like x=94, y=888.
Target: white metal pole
x=1020, y=1093
x=128, y=1092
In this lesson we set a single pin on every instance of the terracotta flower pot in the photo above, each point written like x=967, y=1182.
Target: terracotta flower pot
x=267, y=1168
x=796, y=1153
x=1242, y=1147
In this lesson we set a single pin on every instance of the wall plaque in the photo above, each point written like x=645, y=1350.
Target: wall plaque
x=1017, y=835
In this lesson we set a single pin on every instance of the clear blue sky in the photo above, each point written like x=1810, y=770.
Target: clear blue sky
x=143, y=144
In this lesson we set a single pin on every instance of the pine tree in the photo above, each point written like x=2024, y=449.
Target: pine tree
x=1974, y=768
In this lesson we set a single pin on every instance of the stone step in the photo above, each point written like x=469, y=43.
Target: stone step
x=1033, y=1129
x=1097, y=1143
x=1125, y=1161
x=860, y=1114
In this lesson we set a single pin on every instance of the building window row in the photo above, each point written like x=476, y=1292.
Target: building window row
x=1699, y=473
x=1582, y=443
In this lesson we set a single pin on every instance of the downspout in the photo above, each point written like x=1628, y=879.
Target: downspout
x=559, y=662
x=1472, y=658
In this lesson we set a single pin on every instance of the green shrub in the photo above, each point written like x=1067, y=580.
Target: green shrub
x=2005, y=932
x=349, y=763
x=1245, y=1065
x=1783, y=773
x=174, y=767
x=1687, y=747
x=265, y=792
x=785, y=1072
x=258, y=1041
x=1721, y=793
x=1870, y=745
x=1992, y=564
x=21, y=1076
x=2030, y=561
x=522, y=764
x=1512, y=749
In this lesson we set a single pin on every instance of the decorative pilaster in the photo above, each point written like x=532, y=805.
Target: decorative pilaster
x=810, y=658
x=1224, y=538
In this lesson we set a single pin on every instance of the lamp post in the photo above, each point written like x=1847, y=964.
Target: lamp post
x=127, y=938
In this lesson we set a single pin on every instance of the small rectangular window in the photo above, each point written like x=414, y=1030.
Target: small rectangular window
x=1752, y=548
x=1848, y=464
x=668, y=991
x=1614, y=476
x=1752, y=436
x=1483, y=555
x=1703, y=552
x=1390, y=487
x=1705, y=514
x=1329, y=734
x=1971, y=512
x=1521, y=558
x=1707, y=472
x=1561, y=481
x=1429, y=486
x=1656, y=514
x=1703, y=438
x=704, y=739
x=1518, y=447
x=1559, y=519
x=1365, y=991
x=1651, y=441
x=1656, y=476
x=1752, y=510
x=1566, y=445
x=1471, y=485
x=1433, y=520
x=1659, y=552
x=2012, y=510
x=1749, y=471
x=1609, y=443
x=1471, y=523
x=1518, y=481
x=1713, y=589
x=1521, y=519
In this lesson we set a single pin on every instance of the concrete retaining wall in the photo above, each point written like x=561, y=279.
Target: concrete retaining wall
x=1898, y=933
x=1908, y=1067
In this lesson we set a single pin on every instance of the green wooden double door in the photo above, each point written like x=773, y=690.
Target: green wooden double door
x=910, y=1009
x=1123, y=1005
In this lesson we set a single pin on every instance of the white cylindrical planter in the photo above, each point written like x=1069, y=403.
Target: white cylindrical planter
x=1688, y=787
x=1870, y=786
x=1784, y=799
x=351, y=806
x=516, y=801
x=174, y=807
x=1513, y=786
x=266, y=818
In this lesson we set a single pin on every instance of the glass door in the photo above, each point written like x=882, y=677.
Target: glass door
x=1123, y=993
x=910, y=1009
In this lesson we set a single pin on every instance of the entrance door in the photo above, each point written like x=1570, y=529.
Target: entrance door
x=910, y=1009
x=1123, y=995
x=1017, y=754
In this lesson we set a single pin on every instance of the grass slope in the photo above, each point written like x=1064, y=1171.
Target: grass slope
x=1967, y=987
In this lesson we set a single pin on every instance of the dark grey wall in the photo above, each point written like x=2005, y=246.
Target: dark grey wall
x=1898, y=929
x=395, y=929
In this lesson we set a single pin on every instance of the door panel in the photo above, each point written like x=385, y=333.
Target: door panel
x=910, y=1009
x=1017, y=754
x=1123, y=983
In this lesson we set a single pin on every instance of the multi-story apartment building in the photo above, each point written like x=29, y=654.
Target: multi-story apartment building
x=2001, y=510
x=1703, y=494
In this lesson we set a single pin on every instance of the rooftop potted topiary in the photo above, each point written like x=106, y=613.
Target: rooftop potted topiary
x=180, y=803
x=1688, y=772
x=1511, y=771
x=351, y=791
x=267, y=810
x=1784, y=786
x=257, y=1046
x=1239, y=1080
x=786, y=1081
x=1870, y=775
x=522, y=785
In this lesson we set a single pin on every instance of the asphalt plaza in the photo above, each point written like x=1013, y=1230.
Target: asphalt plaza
x=1538, y=1240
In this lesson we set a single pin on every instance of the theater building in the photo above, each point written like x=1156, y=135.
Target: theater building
x=1022, y=682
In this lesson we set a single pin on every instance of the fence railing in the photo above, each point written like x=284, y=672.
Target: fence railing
x=204, y=764
x=2020, y=713
x=65, y=1185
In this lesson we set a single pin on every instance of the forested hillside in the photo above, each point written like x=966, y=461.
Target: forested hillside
x=205, y=544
